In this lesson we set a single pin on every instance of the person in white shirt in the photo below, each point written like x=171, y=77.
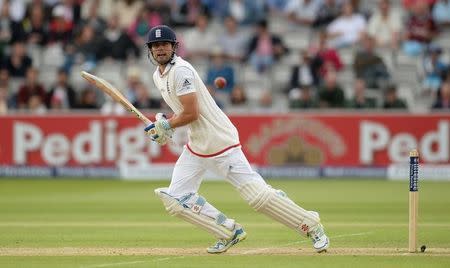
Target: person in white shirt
x=346, y=30
x=213, y=144
x=385, y=25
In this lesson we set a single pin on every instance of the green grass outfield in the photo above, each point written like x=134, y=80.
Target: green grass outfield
x=109, y=223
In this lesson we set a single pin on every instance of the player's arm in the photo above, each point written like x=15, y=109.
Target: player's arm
x=190, y=111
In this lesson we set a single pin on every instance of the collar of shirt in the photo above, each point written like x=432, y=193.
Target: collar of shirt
x=168, y=66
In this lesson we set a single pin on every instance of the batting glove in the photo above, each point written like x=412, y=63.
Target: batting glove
x=160, y=131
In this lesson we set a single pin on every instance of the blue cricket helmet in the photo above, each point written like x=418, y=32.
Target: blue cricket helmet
x=161, y=33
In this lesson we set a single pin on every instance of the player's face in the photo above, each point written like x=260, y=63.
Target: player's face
x=162, y=51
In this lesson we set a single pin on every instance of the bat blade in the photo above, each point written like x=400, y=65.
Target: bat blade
x=115, y=94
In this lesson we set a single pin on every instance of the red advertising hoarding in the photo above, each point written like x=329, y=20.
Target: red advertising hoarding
x=270, y=140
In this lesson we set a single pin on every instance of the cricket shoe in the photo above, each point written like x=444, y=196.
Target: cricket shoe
x=319, y=238
x=224, y=244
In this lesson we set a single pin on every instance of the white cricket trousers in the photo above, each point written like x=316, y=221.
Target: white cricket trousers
x=190, y=168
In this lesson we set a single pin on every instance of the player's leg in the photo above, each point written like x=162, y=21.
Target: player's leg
x=272, y=202
x=182, y=200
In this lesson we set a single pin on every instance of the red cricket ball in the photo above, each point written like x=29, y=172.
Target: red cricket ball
x=220, y=82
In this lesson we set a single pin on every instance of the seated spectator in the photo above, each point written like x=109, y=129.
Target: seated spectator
x=90, y=15
x=360, y=100
x=128, y=10
x=218, y=67
x=232, y=41
x=60, y=28
x=326, y=59
x=36, y=104
x=238, y=96
x=433, y=69
x=391, y=100
x=443, y=102
x=88, y=99
x=303, y=12
x=144, y=100
x=62, y=95
x=18, y=62
x=420, y=30
x=246, y=12
x=346, y=29
x=331, y=94
x=367, y=65
x=31, y=87
x=133, y=80
x=10, y=30
x=302, y=74
x=160, y=12
x=3, y=99
x=35, y=27
x=115, y=43
x=189, y=11
x=265, y=48
x=83, y=50
x=328, y=12
x=199, y=40
x=441, y=12
x=385, y=25
x=302, y=98
x=140, y=26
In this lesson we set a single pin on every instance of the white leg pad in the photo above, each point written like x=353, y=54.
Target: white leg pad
x=191, y=215
x=275, y=204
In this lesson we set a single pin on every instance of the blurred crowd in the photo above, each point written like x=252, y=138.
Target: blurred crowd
x=275, y=54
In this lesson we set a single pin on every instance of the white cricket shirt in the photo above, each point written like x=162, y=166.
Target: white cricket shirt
x=212, y=133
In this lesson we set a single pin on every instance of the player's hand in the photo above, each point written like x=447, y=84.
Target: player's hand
x=160, y=131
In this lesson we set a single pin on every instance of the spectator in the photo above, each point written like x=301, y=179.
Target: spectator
x=3, y=99
x=111, y=107
x=91, y=16
x=88, y=99
x=326, y=59
x=433, y=69
x=31, y=87
x=302, y=74
x=143, y=100
x=328, y=12
x=18, y=62
x=199, y=40
x=36, y=104
x=303, y=12
x=133, y=80
x=385, y=25
x=128, y=11
x=160, y=12
x=62, y=95
x=189, y=12
x=238, y=96
x=218, y=67
x=302, y=98
x=83, y=50
x=60, y=29
x=331, y=94
x=441, y=12
x=115, y=43
x=35, y=27
x=367, y=65
x=391, y=100
x=346, y=29
x=10, y=31
x=360, y=100
x=265, y=48
x=141, y=25
x=232, y=41
x=443, y=102
x=409, y=4
x=420, y=30
x=246, y=12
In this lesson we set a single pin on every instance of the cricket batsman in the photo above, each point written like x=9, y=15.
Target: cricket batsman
x=213, y=145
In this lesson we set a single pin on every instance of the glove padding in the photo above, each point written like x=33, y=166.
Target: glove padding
x=160, y=131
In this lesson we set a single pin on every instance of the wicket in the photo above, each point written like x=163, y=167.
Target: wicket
x=413, y=199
